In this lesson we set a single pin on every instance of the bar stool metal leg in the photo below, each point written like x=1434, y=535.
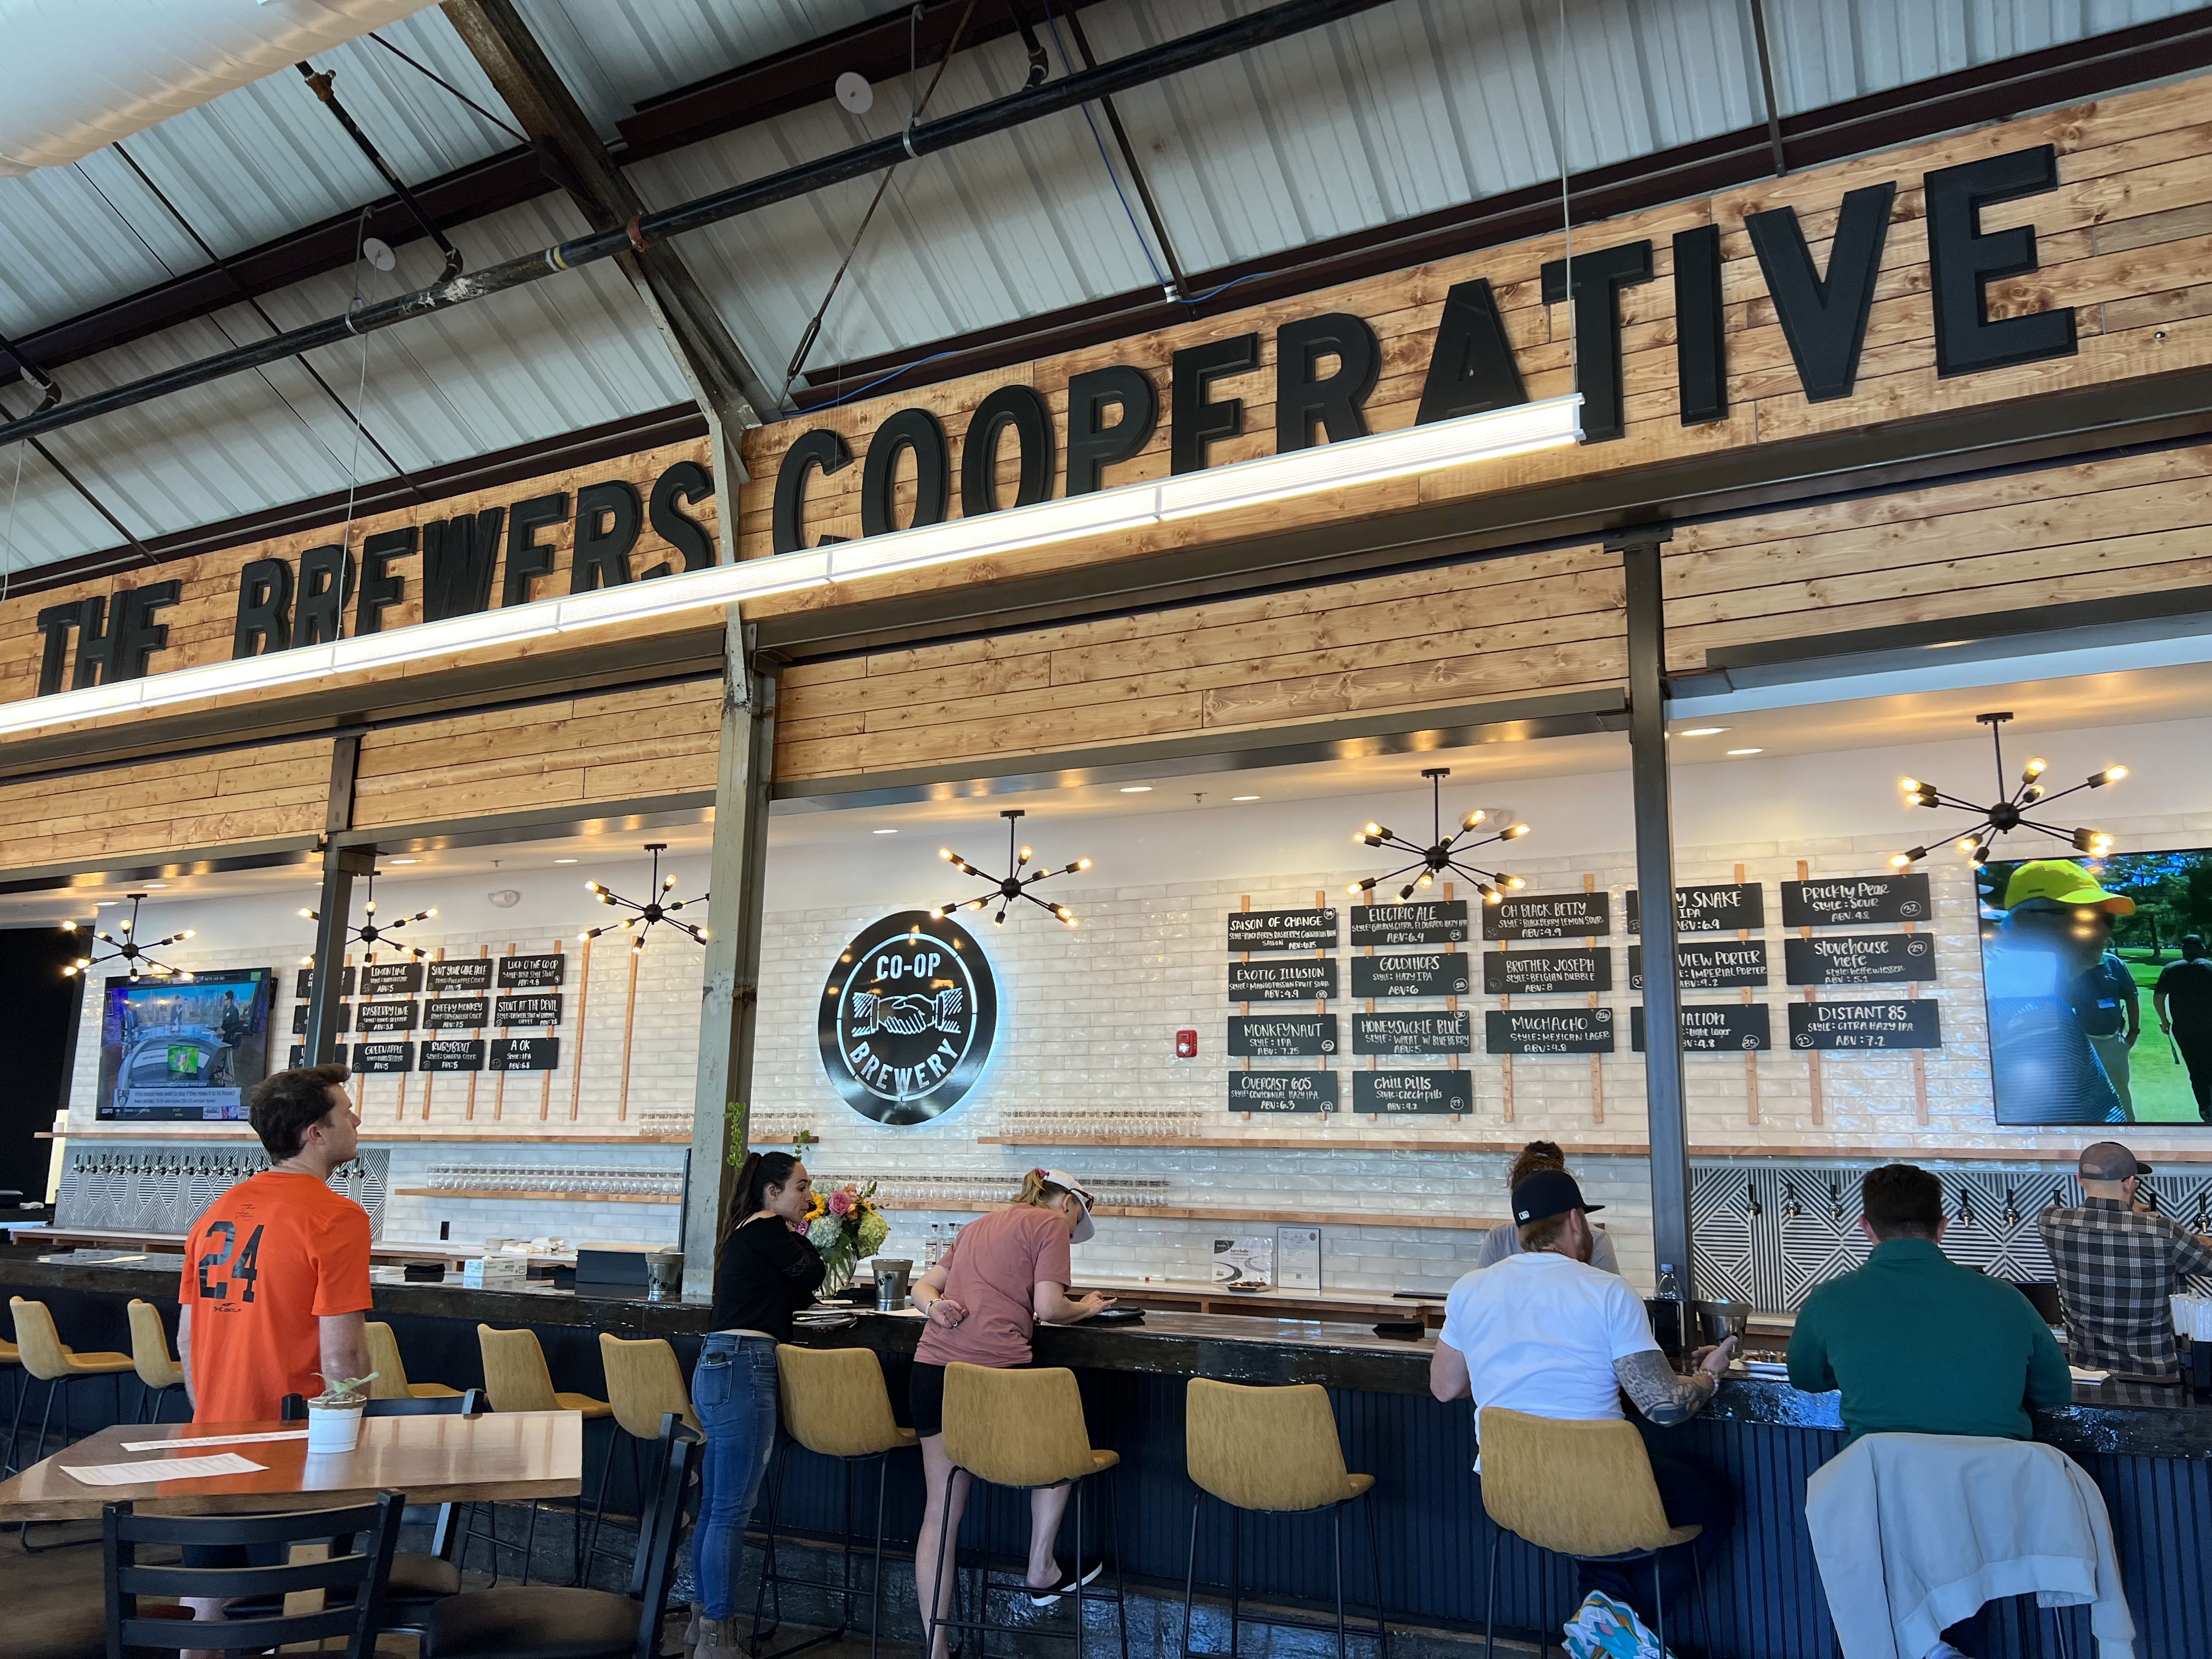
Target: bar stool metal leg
x=1374, y=1559
x=1336, y=1515
x=1190, y=1570
x=1490, y=1596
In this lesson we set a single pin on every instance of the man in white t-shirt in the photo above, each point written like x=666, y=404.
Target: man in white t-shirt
x=1546, y=1334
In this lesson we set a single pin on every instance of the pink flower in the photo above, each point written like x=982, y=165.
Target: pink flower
x=840, y=1202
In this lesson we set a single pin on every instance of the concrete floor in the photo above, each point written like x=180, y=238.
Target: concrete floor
x=51, y=1607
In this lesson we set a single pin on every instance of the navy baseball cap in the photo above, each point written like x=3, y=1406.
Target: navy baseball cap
x=1543, y=1194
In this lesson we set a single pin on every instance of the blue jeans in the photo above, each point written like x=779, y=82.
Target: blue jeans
x=733, y=1391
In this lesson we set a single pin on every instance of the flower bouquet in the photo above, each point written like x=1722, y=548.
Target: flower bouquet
x=844, y=1225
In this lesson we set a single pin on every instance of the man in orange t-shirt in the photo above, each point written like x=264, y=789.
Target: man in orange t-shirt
x=276, y=1280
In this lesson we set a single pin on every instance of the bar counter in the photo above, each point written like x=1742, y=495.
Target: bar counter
x=2149, y=1450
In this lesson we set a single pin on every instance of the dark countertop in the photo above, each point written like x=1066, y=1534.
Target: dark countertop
x=2104, y=1418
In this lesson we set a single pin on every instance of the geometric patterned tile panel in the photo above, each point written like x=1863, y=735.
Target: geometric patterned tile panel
x=1768, y=1233
x=140, y=1187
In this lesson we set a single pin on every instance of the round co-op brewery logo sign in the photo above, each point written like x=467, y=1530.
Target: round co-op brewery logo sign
x=907, y=1018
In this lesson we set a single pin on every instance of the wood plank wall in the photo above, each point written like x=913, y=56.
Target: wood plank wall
x=2125, y=239
x=1515, y=625
x=154, y=807
x=2132, y=524
x=601, y=746
x=1547, y=621
x=201, y=623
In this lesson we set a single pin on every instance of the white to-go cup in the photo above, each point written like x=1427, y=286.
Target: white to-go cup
x=333, y=1428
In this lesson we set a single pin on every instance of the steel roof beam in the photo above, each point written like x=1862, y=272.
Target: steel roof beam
x=1138, y=69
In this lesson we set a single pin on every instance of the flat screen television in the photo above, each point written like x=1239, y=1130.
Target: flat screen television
x=2068, y=980
x=183, y=1049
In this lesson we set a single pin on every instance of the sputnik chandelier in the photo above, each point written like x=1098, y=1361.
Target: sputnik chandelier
x=127, y=949
x=369, y=933
x=1016, y=885
x=653, y=910
x=1444, y=853
x=2011, y=810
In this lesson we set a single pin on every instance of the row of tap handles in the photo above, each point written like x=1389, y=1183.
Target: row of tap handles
x=1962, y=1216
x=218, y=1166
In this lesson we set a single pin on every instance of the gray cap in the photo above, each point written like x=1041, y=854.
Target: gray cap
x=2109, y=1161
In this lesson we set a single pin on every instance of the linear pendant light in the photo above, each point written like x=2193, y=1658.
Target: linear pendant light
x=1553, y=423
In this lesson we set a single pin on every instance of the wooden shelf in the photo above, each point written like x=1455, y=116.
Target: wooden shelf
x=1956, y=1154
x=373, y=1134
x=1312, y=1143
x=541, y=1197
x=1257, y=1218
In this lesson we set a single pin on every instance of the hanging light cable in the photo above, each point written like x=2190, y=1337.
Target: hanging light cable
x=1442, y=853
x=1014, y=885
x=2010, y=809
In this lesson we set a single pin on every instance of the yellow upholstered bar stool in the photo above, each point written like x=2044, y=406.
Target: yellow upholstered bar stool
x=1581, y=1489
x=1024, y=1430
x=833, y=1404
x=158, y=1372
x=12, y=1358
x=1274, y=1451
x=516, y=1379
x=390, y=1371
x=644, y=1384
x=58, y=1367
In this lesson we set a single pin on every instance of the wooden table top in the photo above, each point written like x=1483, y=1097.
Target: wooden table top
x=434, y=1460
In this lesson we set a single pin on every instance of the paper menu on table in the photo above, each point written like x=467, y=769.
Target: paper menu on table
x=215, y=1440
x=164, y=1468
x=1298, y=1258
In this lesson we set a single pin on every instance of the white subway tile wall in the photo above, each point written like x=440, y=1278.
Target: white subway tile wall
x=1085, y=1046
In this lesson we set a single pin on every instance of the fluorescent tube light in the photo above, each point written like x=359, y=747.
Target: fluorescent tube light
x=1553, y=423
x=1101, y=512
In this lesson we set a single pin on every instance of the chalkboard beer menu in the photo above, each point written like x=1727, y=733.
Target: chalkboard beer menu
x=1393, y=926
x=1308, y=979
x=1411, y=1036
x=1719, y=966
x=1716, y=908
x=1854, y=901
x=1545, y=973
x=1282, y=1092
x=1548, y=916
x=1548, y=1031
x=1282, y=930
x=1860, y=958
x=1410, y=974
x=1716, y=1028
x=1904, y=1024
x=1281, y=1037
x=1414, y=1093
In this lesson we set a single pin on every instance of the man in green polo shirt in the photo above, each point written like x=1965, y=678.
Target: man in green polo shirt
x=1918, y=1343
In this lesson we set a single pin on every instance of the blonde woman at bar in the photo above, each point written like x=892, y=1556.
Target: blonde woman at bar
x=983, y=1301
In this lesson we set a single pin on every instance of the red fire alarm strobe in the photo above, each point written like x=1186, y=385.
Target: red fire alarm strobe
x=1186, y=1045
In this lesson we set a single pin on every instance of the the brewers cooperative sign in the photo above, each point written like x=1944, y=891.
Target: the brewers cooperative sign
x=1960, y=272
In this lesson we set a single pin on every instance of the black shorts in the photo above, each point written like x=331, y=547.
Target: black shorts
x=924, y=1396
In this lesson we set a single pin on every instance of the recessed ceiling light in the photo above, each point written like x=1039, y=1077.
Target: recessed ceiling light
x=1243, y=797
x=1136, y=788
x=406, y=861
x=564, y=860
x=1701, y=731
x=1747, y=751
x=157, y=884
x=883, y=832
x=104, y=904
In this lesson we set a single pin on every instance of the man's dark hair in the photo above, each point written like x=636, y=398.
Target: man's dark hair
x=283, y=1108
x=1902, y=1201
x=2192, y=946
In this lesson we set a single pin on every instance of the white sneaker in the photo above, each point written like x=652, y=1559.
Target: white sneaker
x=1943, y=1649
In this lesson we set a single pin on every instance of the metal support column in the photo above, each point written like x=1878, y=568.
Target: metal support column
x=341, y=865
x=1651, y=793
x=730, y=989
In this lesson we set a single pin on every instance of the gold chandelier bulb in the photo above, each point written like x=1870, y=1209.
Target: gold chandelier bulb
x=1899, y=861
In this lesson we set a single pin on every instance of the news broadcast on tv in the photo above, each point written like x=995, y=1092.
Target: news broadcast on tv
x=174, y=1049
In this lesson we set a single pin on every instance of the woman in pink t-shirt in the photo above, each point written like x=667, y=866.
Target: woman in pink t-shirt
x=982, y=1300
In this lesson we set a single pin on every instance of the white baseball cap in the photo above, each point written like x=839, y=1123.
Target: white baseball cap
x=1086, y=1227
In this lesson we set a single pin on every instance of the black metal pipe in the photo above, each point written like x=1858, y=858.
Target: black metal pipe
x=319, y=81
x=1136, y=70
x=1665, y=1097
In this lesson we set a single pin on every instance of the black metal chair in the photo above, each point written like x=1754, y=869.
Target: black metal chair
x=552, y=1621
x=419, y=1579
x=361, y=1540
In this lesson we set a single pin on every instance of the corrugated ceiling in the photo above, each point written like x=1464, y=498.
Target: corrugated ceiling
x=1418, y=105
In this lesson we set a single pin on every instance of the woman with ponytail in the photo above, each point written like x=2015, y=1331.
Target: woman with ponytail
x=766, y=1272
x=982, y=1301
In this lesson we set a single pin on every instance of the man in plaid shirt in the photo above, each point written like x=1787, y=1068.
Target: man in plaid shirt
x=2117, y=1264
